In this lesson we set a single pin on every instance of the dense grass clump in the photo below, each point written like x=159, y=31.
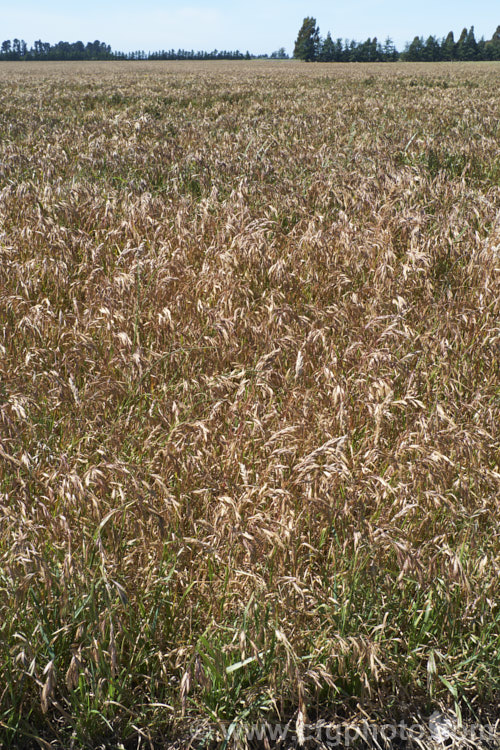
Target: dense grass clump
x=249, y=398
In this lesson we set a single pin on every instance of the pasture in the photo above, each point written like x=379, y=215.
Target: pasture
x=249, y=398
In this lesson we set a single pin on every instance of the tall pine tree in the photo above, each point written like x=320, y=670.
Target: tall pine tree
x=307, y=45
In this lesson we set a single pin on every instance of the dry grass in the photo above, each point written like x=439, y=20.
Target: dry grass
x=249, y=361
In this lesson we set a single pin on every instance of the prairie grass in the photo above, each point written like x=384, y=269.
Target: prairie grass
x=249, y=398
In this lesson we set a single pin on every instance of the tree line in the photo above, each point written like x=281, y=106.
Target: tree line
x=17, y=49
x=311, y=47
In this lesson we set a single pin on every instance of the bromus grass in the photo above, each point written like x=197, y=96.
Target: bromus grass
x=249, y=399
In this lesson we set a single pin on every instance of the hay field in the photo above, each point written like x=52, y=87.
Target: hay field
x=249, y=398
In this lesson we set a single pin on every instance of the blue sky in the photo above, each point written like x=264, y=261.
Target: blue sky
x=259, y=25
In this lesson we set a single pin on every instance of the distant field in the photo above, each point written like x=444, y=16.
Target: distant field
x=249, y=399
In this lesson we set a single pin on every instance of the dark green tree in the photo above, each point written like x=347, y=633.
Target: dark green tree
x=364, y=51
x=279, y=54
x=415, y=52
x=469, y=47
x=375, y=51
x=351, y=52
x=432, y=51
x=448, y=47
x=390, y=53
x=492, y=47
x=307, y=44
x=327, y=53
x=339, y=51
x=459, y=49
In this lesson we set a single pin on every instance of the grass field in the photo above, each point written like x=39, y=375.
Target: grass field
x=249, y=398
